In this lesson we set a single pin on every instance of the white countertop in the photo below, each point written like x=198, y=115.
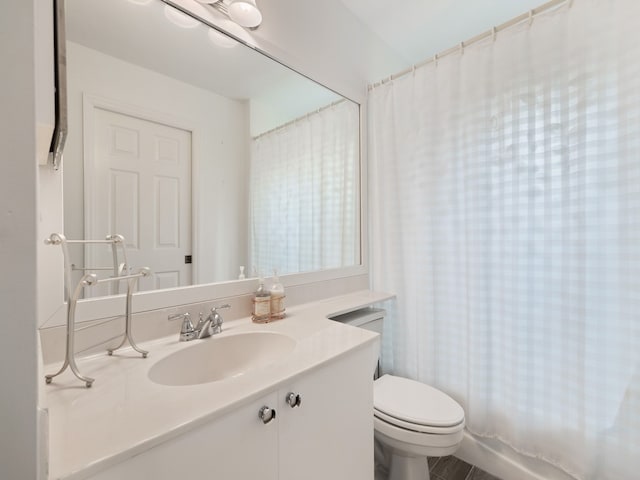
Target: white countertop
x=124, y=413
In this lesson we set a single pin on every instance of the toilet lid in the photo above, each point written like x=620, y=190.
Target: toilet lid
x=415, y=403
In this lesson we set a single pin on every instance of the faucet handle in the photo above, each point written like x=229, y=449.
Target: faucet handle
x=187, y=330
x=186, y=317
x=220, y=307
x=216, y=318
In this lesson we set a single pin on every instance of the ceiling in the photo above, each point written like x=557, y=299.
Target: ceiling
x=416, y=30
x=145, y=33
x=370, y=39
x=140, y=32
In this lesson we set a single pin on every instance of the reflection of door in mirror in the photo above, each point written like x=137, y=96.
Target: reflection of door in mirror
x=138, y=178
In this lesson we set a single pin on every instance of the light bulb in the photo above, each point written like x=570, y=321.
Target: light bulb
x=245, y=13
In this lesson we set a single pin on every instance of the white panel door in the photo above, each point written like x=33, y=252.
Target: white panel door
x=139, y=181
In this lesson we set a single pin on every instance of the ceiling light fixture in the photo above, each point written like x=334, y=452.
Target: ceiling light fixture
x=245, y=13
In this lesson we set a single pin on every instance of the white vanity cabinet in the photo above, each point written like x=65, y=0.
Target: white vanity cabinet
x=329, y=435
x=235, y=446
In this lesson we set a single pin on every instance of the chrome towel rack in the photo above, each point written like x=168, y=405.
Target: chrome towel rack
x=116, y=242
x=121, y=272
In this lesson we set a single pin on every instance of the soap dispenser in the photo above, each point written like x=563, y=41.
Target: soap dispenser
x=261, y=304
x=277, y=298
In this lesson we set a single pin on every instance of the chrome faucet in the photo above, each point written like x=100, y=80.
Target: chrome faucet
x=212, y=324
x=187, y=331
x=206, y=327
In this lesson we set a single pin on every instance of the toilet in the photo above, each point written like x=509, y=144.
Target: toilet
x=411, y=420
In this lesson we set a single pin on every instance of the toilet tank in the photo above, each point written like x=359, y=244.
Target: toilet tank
x=370, y=319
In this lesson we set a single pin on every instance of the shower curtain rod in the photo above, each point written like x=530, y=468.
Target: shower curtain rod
x=489, y=33
x=303, y=117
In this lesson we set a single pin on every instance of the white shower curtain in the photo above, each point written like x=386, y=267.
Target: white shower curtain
x=305, y=193
x=505, y=213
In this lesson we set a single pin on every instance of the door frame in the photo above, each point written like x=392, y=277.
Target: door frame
x=92, y=102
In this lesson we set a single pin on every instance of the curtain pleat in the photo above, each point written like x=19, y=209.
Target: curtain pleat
x=505, y=213
x=305, y=193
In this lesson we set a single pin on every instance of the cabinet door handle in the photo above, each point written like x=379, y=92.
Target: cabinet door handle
x=266, y=414
x=293, y=399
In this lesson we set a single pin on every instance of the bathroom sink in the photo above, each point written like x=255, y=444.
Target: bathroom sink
x=219, y=358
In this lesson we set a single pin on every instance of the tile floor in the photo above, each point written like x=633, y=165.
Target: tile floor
x=452, y=468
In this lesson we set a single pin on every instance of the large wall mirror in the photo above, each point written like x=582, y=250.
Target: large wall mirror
x=205, y=154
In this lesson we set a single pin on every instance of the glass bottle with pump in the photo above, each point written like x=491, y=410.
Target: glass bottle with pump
x=261, y=312
x=277, y=298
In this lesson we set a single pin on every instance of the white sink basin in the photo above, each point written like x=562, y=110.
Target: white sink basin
x=217, y=358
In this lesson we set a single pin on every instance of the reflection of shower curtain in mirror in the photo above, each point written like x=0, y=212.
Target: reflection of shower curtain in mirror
x=512, y=237
x=304, y=193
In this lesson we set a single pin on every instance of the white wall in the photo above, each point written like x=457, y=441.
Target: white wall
x=324, y=40
x=25, y=41
x=220, y=151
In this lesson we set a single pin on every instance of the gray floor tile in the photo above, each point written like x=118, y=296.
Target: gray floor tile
x=451, y=468
x=477, y=474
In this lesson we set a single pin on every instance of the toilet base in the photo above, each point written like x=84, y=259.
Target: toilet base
x=408, y=468
x=400, y=460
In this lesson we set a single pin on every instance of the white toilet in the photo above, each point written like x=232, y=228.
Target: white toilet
x=411, y=419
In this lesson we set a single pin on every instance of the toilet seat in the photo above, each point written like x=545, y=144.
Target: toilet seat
x=415, y=406
x=415, y=427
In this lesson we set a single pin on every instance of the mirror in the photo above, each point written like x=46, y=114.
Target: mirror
x=204, y=153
